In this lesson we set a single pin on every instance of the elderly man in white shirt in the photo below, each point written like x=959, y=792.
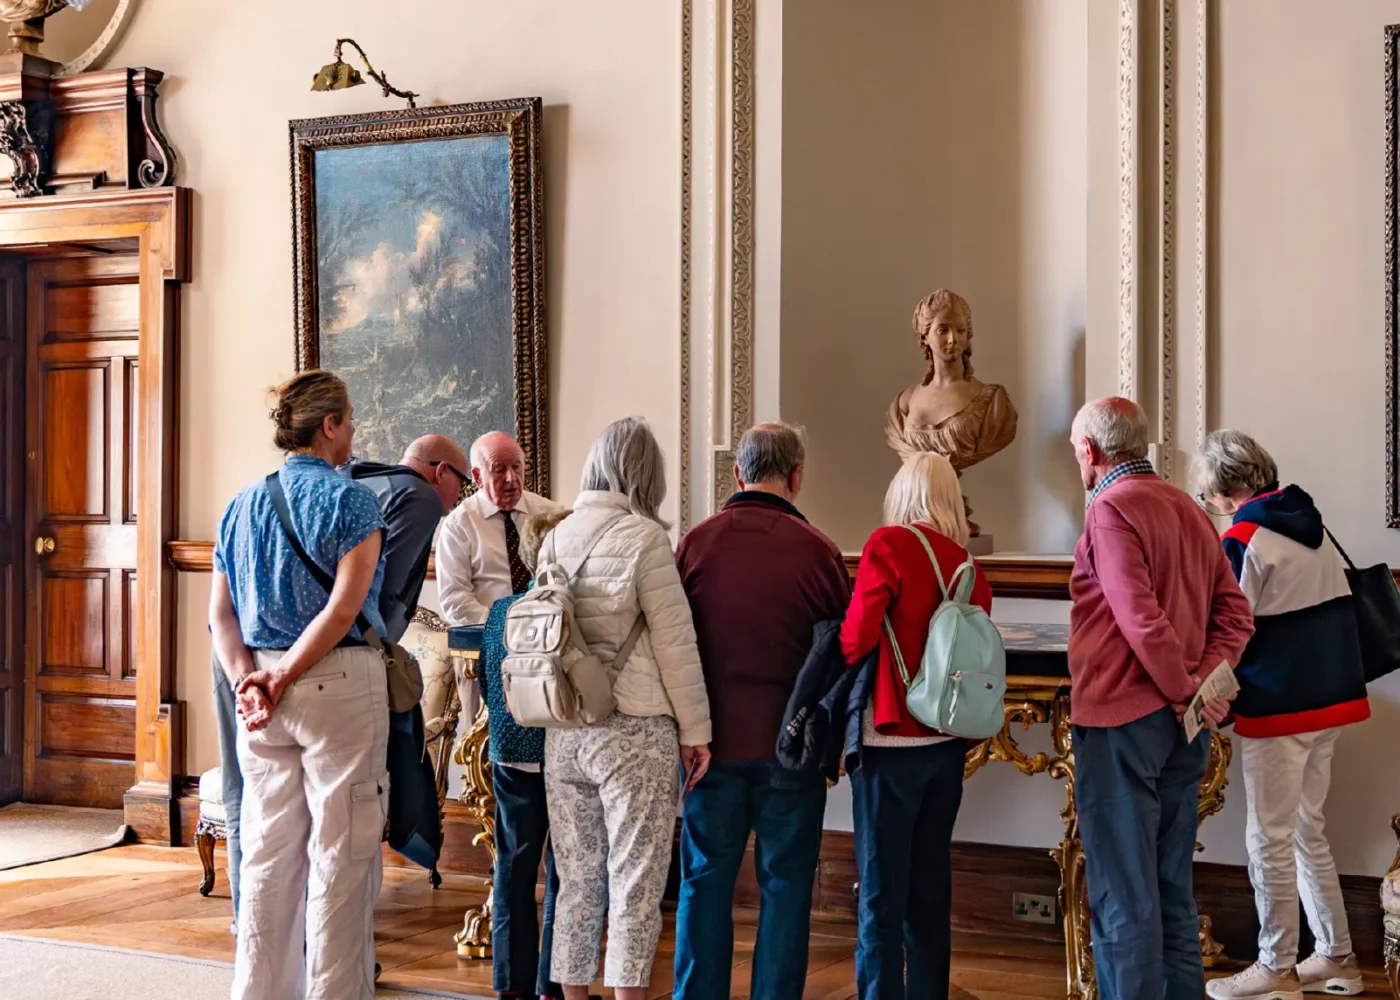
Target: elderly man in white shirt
x=478, y=548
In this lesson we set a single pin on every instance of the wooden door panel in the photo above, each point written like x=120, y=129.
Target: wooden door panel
x=96, y=311
x=82, y=318
x=130, y=420
x=76, y=477
x=12, y=528
x=90, y=728
x=73, y=613
x=126, y=627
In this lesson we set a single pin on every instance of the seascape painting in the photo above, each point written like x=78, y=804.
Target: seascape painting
x=413, y=282
x=419, y=272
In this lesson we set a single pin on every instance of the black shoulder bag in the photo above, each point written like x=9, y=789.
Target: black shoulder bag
x=405, y=679
x=1377, y=603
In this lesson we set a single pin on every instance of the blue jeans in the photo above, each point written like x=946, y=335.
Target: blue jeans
x=905, y=802
x=519, y=959
x=784, y=812
x=225, y=714
x=1136, y=789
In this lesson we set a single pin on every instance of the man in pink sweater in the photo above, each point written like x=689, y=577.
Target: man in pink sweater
x=1156, y=609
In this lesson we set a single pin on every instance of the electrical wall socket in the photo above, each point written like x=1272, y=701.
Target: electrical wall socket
x=1034, y=909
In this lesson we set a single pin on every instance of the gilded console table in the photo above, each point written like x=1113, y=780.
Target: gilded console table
x=464, y=647
x=1037, y=693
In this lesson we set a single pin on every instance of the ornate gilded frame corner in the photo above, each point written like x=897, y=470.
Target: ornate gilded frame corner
x=1392, y=280
x=519, y=119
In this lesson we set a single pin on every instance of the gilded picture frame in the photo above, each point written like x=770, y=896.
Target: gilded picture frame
x=418, y=266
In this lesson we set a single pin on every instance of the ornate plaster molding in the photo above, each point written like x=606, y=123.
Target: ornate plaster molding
x=1203, y=37
x=1127, y=198
x=687, y=151
x=717, y=246
x=739, y=378
x=1166, y=323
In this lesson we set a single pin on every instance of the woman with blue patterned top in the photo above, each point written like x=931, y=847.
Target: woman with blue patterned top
x=314, y=704
x=519, y=959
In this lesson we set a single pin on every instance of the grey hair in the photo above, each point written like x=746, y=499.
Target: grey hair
x=626, y=459
x=1116, y=425
x=1232, y=462
x=770, y=452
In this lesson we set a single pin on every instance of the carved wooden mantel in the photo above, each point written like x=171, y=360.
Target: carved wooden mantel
x=81, y=133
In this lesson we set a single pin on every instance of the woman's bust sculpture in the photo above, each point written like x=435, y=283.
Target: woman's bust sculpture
x=950, y=412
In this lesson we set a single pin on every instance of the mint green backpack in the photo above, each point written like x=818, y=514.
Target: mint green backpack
x=962, y=677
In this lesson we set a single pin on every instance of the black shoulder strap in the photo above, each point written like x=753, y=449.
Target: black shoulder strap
x=1340, y=551
x=284, y=515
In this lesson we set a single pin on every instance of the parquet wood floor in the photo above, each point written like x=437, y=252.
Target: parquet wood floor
x=145, y=899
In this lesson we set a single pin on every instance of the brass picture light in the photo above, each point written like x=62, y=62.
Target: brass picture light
x=340, y=75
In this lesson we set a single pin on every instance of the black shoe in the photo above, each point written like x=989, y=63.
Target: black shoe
x=377, y=971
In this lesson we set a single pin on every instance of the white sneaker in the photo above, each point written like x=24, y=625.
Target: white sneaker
x=1338, y=978
x=1258, y=982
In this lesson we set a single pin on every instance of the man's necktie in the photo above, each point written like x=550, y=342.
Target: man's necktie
x=519, y=575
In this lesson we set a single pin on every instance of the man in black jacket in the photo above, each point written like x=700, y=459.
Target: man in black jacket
x=413, y=497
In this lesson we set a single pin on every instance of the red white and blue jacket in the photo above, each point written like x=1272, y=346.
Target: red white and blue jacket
x=1301, y=672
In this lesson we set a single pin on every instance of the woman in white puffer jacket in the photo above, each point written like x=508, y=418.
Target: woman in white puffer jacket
x=612, y=788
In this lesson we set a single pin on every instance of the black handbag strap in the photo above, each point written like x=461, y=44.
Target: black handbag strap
x=327, y=582
x=1340, y=551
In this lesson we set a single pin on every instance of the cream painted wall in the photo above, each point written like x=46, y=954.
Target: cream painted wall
x=1298, y=346
x=1301, y=283
x=929, y=145
x=610, y=79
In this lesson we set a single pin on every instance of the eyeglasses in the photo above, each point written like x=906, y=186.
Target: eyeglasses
x=1210, y=508
x=457, y=472
x=467, y=488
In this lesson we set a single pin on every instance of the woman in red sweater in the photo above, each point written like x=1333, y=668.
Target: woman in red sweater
x=908, y=786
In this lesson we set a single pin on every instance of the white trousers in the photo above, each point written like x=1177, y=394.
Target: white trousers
x=1286, y=780
x=315, y=790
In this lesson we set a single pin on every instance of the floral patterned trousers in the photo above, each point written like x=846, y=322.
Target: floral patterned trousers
x=612, y=793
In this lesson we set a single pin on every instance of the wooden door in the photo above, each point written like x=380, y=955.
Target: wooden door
x=12, y=600
x=82, y=317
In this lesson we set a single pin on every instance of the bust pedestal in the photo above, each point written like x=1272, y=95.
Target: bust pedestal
x=980, y=545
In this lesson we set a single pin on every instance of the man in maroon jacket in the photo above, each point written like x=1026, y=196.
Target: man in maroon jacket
x=759, y=577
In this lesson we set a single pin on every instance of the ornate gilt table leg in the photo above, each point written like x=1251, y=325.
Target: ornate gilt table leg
x=1074, y=891
x=1212, y=800
x=474, y=939
x=1392, y=939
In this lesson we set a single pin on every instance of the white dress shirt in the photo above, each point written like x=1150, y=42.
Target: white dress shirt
x=473, y=571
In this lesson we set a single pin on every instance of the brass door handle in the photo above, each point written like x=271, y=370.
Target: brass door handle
x=43, y=546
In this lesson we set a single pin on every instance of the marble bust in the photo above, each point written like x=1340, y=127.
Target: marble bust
x=950, y=412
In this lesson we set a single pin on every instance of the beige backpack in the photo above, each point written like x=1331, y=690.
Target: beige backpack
x=549, y=678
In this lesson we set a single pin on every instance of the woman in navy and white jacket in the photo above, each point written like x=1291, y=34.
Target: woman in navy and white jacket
x=1301, y=680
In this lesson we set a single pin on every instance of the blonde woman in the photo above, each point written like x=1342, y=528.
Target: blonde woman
x=907, y=786
x=613, y=786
